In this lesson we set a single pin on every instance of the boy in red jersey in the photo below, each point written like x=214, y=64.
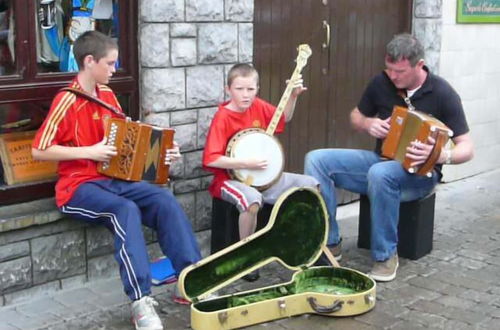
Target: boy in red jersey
x=245, y=110
x=73, y=135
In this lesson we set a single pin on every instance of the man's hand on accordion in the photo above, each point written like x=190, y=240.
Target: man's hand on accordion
x=378, y=128
x=172, y=154
x=419, y=151
x=101, y=152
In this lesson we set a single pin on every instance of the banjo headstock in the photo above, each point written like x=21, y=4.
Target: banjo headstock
x=304, y=53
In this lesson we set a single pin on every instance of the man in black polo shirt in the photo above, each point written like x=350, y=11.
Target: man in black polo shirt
x=386, y=182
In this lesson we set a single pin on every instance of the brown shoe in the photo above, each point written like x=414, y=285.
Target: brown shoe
x=385, y=271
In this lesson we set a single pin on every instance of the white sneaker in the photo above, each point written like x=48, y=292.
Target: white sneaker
x=144, y=315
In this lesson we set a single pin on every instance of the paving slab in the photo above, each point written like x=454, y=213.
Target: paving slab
x=456, y=286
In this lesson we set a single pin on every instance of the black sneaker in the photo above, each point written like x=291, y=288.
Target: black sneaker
x=252, y=276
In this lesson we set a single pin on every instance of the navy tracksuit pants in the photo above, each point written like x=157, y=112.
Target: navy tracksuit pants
x=123, y=207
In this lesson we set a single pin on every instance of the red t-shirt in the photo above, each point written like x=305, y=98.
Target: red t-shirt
x=75, y=122
x=227, y=123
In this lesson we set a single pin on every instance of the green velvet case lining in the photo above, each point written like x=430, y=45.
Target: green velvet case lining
x=328, y=280
x=294, y=235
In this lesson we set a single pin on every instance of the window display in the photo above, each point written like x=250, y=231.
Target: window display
x=60, y=22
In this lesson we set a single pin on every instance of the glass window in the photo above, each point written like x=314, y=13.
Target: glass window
x=7, y=51
x=60, y=22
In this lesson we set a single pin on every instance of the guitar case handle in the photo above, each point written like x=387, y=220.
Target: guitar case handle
x=335, y=307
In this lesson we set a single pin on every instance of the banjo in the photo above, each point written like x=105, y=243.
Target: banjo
x=257, y=143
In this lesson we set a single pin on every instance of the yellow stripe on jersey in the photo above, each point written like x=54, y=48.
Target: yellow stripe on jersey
x=55, y=118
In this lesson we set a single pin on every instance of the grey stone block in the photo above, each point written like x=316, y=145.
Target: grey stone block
x=204, y=86
x=102, y=267
x=183, y=117
x=204, y=10
x=163, y=89
x=239, y=10
x=205, y=181
x=245, y=42
x=185, y=135
x=161, y=119
x=428, y=8
x=193, y=164
x=15, y=274
x=187, y=202
x=182, y=30
x=99, y=241
x=62, y=225
x=184, y=51
x=162, y=10
x=185, y=186
x=205, y=117
x=203, y=211
x=14, y=251
x=217, y=43
x=58, y=256
x=155, y=49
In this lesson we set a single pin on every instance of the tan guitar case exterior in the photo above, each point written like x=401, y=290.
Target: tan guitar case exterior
x=294, y=236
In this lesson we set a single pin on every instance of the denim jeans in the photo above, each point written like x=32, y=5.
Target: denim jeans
x=385, y=182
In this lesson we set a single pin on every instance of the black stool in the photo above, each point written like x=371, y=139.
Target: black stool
x=415, y=228
x=225, y=229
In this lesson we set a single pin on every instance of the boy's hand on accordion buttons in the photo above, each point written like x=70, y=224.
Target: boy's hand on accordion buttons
x=101, y=151
x=172, y=154
x=419, y=151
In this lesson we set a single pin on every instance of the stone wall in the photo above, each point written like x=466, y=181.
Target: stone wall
x=186, y=48
x=466, y=55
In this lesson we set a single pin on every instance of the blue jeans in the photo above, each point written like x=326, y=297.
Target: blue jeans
x=123, y=207
x=385, y=182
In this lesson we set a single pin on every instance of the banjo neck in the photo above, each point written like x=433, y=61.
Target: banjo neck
x=304, y=53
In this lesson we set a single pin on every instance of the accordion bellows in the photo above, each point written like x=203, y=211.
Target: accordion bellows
x=141, y=151
x=410, y=125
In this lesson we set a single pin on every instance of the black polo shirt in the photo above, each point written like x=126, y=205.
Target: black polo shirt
x=435, y=97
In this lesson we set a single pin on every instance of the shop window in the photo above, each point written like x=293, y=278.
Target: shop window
x=36, y=61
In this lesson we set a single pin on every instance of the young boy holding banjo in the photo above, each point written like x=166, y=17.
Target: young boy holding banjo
x=246, y=159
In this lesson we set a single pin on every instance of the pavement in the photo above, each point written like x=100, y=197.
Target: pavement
x=456, y=286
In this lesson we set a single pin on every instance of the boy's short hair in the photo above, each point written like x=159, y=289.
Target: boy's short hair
x=404, y=46
x=92, y=43
x=241, y=70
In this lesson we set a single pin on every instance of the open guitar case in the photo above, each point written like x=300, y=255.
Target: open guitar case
x=295, y=236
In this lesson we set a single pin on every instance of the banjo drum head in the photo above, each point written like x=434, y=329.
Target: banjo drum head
x=259, y=145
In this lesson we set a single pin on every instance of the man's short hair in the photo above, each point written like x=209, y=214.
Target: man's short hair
x=92, y=43
x=405, y=47
x=241, y=70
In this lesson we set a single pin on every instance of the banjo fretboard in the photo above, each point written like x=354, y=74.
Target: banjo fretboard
x=304, y=53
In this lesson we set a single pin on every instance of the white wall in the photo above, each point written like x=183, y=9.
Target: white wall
x=470, y=61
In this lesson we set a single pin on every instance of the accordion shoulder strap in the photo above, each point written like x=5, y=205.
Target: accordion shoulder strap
x=93, y=99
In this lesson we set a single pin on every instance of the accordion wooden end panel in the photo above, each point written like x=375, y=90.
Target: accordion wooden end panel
x=410, y=125
x=141, y=151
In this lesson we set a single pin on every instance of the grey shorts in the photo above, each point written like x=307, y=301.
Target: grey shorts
x=243, y=196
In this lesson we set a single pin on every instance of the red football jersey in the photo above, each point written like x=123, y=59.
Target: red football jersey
x=75, y=122
x=225, y=124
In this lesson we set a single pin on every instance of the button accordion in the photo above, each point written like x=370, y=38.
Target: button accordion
x=141, y=151
x=410, y=125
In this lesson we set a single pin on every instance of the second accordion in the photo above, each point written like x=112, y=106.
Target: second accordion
x=141, y=151
x=410, y=125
